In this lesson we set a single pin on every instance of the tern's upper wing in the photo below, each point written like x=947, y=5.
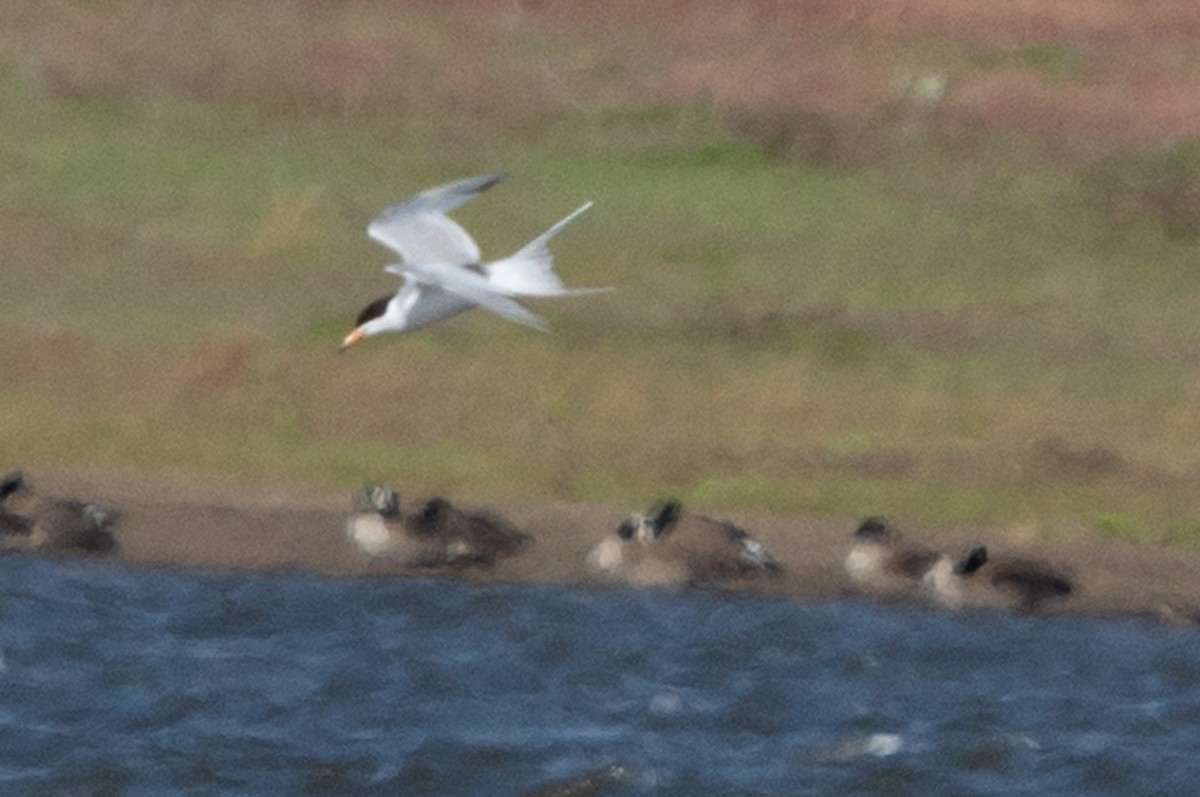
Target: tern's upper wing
x=421, y=232
x=472, y=286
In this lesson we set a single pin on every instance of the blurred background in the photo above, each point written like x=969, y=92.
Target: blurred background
x=936, y=259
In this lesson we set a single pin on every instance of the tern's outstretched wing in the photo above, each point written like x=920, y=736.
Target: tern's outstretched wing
x=421, y=232
x=469, y=285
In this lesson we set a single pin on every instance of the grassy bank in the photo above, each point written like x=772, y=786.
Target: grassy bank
x=925, y=320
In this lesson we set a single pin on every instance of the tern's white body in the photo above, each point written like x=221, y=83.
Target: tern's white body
x=442, y=267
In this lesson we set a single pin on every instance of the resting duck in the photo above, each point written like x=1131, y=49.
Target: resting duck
x=1015, y=582
x=30, y=521
x=669, y=547
x=880, y=559
x=14, y=533
x=438, y=535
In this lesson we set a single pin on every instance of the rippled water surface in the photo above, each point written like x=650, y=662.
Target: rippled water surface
x=117, y=681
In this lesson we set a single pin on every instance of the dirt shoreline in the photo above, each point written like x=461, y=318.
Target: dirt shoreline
x=179, y=520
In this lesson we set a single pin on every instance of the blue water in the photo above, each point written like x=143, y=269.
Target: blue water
x=120, y=681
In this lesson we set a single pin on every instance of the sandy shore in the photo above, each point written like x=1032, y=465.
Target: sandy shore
x=176, y=520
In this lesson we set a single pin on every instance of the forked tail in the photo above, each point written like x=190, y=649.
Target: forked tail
x=530, y=272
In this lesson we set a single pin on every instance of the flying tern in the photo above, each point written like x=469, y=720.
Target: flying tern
x=443, y=271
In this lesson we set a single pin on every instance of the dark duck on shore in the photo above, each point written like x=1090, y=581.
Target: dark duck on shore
x=32, y=522
x=15, y=533
x=880, y=559
x=1015, y=582
x=668, y=547
x=438, y=535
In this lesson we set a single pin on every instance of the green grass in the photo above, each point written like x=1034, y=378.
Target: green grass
x=894, y=338
x=1057, y=62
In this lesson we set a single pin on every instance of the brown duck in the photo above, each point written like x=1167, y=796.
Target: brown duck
x=667, y=546
x=1017, y=582
x=30, y=521
x=437, y=535
x=880, y=558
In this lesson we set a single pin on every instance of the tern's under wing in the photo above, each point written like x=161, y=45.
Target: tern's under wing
x=420, y=304
x=421, y=232
x=469, y=285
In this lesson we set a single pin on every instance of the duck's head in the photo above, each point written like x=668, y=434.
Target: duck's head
x=976, y=559
x=435, y=510
x=10, y=483
x=384, y=500
x=631, y=527
x=664, y=515
x=874, y=529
